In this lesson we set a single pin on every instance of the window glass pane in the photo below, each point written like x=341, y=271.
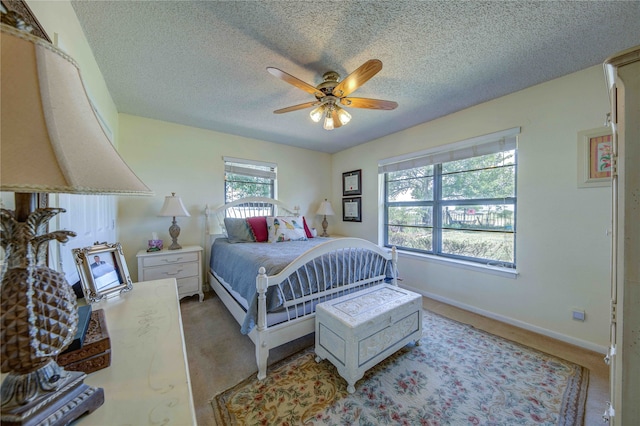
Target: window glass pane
x=483, y=162
x=410, y=185
x=410, y=237
x=238, y=186
x=494, y=246
x=489, y=217
x=485, y=183
x=410, y=215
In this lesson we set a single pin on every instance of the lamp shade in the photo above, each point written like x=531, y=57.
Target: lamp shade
x=51, y=139
x=325, y=208
x=173, y=206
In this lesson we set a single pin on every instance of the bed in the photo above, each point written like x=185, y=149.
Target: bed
x=272, y=288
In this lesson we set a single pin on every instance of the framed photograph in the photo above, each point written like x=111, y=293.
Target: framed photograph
x=352, y=209
x=595, y=151
x=103, y=271
x=352, y=183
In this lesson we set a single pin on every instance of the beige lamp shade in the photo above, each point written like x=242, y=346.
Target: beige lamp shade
x=325, y=209
x=173, y=206
x=51, y=140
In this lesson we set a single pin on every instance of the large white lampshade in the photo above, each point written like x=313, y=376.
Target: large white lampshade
x=51, y=138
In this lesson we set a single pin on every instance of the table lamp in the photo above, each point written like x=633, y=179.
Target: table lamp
x=173, y=207
x=325, y=210
x=51, y=142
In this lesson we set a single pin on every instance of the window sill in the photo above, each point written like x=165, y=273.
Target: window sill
x=494, y=270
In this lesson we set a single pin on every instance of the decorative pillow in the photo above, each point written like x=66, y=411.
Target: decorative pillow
x=238, y=230
x=306, y=228
x=258, y=226
x=285, y=228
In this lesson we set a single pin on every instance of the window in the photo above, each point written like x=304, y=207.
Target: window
x=247, y=178
x=459, y=203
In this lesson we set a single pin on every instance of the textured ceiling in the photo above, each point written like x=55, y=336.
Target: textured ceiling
x=203, y=64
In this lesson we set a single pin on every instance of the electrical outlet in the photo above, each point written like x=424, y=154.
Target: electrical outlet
x=578, y=314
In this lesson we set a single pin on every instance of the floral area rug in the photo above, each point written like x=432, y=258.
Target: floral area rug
x=458, y=375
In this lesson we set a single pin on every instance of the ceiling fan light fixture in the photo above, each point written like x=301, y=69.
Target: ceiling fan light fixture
x=343, y=115
x=328, y=120
x=317, y=113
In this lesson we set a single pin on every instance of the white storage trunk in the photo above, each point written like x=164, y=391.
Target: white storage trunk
x=357, y=331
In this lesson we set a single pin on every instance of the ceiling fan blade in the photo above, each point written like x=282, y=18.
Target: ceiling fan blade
x=297, y=107
x=357, y=78
x=295, y=82
x=368, y=103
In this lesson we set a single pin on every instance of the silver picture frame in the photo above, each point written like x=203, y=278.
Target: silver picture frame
x=103, y=271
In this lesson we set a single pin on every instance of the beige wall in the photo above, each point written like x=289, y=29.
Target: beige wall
x=562, y=245
x=188, y=161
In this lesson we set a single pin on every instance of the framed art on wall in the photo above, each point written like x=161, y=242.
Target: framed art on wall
x=352, y=209
x=595, y=151
x=352, y=183
x=103, y=271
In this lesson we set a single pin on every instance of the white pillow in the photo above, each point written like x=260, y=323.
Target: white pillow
x=285, y=228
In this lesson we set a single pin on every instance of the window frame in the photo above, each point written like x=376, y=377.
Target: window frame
x=437, y=204
x=255, y=168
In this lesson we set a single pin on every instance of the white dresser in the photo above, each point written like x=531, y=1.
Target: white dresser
x=185, y=265
x=148, y=380
x=357, y=331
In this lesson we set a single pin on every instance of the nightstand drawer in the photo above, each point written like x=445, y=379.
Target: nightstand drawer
x=180, y=270
x=169, y=259
x=186, y=285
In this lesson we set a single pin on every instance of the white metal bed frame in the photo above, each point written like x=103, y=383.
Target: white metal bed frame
x=297, y=324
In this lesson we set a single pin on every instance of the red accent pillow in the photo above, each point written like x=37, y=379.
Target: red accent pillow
x=258, y=226
x=306, y=228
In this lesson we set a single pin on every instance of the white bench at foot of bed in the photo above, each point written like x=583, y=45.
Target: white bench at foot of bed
x=357, y=331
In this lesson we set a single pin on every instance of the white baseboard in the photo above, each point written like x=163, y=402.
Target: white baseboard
x=521, y=324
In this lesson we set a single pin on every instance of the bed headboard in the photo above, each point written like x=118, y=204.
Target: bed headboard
x=243, y=208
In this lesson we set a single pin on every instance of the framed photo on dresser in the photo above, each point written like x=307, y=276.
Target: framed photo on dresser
x=103, y=271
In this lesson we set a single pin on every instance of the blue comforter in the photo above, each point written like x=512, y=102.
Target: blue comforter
x=238, y=263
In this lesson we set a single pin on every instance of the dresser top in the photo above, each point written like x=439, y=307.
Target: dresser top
x=148, y=380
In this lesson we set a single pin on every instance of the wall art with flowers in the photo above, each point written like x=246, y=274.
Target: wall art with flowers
x=595, y=153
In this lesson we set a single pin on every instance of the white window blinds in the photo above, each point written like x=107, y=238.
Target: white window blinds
x=243, y=167
x=481, y=145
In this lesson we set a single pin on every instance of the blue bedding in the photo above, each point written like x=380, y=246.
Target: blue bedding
x=238, y=263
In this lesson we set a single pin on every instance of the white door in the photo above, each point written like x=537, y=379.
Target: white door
x=92, y=218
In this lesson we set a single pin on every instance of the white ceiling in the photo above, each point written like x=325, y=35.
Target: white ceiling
x=203, y=63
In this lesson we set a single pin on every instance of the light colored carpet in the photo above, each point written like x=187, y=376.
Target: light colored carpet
x=220, y=357
x=458, y=375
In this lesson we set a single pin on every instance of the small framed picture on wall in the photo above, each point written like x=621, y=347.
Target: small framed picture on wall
x=352, y=183
x=594, y=157
x=352, y=209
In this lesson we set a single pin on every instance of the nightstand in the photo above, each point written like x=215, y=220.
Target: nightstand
x=185, y=265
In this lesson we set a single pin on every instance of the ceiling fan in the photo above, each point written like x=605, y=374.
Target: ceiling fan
x=332, y=92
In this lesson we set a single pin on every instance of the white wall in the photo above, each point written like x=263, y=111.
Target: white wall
x=188, y=161
x=562, y=248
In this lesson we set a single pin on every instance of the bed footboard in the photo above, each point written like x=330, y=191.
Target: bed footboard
x=330, y=270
